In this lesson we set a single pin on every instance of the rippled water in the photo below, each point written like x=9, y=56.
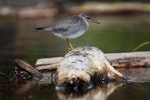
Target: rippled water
x=18, y=39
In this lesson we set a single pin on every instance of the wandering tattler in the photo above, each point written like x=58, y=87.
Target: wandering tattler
x=70, y=27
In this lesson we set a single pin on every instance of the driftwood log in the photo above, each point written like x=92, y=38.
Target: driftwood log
x=132, y=59
x=85, y=64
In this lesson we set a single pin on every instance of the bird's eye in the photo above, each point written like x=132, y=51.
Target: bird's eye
x=88, y=17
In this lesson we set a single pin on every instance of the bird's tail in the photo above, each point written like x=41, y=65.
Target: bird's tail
x=40, y=28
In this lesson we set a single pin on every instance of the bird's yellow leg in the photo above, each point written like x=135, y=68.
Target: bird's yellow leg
x=70, y=47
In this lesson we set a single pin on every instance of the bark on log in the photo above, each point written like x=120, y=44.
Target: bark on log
x=130, y=59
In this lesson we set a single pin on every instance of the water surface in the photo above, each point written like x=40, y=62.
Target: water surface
x=18, y=39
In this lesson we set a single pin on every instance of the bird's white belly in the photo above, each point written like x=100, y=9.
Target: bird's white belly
x=71, y=35
x=77, y=34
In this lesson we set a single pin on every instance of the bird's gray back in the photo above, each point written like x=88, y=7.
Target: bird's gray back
x=69, y=25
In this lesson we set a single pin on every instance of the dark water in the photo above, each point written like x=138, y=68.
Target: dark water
x=18, y=39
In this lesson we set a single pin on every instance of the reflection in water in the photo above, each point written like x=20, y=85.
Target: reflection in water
x=100, y=92
x=136, y=74
x=24, y=87
x=8, y=31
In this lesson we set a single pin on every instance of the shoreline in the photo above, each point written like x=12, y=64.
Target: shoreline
x=93, y=8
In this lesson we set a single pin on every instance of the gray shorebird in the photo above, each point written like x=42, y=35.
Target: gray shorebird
x=69, y=27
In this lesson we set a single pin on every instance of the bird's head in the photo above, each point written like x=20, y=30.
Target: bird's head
x=88, y=18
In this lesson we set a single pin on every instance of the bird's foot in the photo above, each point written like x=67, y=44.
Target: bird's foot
x=70, y=48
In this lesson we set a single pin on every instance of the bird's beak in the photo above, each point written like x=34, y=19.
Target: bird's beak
x=93, y=20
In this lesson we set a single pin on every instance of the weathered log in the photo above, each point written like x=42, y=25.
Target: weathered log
x=130, y=59
x=75, y=60
x=84, y=64
x=27, y=67
x=117, y=60
x=47, y=63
